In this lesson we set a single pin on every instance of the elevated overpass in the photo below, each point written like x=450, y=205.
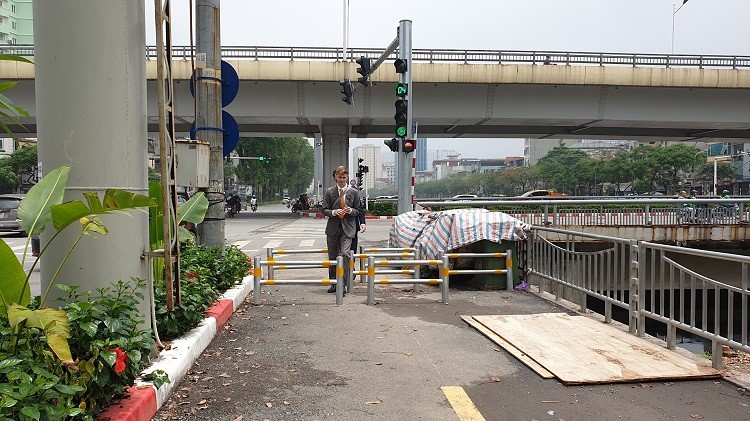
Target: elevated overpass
x=480, y=93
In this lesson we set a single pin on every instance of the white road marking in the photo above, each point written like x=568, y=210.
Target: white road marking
x=307, y=243
x=273, y=244
x=240, y=244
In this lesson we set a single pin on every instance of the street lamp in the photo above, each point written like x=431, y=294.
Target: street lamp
x=715, y=158
x=674, y=12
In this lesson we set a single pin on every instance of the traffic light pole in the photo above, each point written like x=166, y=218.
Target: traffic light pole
x=404, y=160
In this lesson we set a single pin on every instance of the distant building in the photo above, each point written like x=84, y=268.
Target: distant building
x=535, y=149
x=388, y=174
x=371, y=155
x=7, y=146
x=16, y=22
x=421, y=155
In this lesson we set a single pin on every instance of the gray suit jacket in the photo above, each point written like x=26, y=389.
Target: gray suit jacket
x=350, y=223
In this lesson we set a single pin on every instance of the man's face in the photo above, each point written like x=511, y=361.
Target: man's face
x=341, y=179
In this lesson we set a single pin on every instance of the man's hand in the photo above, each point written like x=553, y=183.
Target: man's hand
x=362, y=227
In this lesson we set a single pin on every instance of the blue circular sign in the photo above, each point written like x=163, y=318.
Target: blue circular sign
x=230, y=84
x=230, y=129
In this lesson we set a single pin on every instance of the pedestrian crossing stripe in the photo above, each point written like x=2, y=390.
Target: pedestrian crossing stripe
x=241, y=244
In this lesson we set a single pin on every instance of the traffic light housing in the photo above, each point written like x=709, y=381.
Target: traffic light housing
x=347, y=91
x=392, y=144
x=364, y=69
x=409, y=145
x=401, y=65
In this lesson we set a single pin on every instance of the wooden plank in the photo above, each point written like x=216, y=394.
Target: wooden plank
x=579, y=350
x=538, y=369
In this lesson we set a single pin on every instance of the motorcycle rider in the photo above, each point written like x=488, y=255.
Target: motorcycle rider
x=233, y=201
x=253, y=203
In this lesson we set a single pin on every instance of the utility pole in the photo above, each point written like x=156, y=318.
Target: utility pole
x=208, y=114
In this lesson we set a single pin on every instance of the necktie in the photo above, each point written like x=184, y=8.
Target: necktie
x=342, y=201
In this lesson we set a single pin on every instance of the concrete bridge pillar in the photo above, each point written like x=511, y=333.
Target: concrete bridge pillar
x=335, y=149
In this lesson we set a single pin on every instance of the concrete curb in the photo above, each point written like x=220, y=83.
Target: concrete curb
x=320, y=215
x=143, y=400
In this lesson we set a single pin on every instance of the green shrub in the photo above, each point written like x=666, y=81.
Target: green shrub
x=107, y=340
x=206, y=273
x=34, y=384
x=383, y=209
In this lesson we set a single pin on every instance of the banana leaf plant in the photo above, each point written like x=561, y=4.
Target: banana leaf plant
x=42, y=204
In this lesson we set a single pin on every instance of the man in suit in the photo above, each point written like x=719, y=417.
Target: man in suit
x=341, y=204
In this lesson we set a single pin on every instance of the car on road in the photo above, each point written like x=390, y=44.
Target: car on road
x=464, y=196
x=541, y=193
x=9, y=221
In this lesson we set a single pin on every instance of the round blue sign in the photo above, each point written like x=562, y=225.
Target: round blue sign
x=230, y=129
x=230, y=84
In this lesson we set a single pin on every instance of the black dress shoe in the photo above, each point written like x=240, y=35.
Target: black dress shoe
x=332, y=289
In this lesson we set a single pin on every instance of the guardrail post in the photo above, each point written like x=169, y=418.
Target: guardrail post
x=362, y=264
x=546, y=215
x=269, y=259
x=339, y=280
x=370, y=280
x=446, y=277
x=637, y=320
x=350, y=279
x=415, y=269
x=509, y=269
x=555, y=215
x=257, y=273
x=647, y=216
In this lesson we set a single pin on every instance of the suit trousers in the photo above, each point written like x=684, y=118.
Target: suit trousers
x=339, y=245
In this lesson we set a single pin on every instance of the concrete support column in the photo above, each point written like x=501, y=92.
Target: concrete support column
x=91, y=114
x=335, y=150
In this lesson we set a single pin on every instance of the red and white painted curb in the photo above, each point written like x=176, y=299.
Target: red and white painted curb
x=320, y=215
x=143, y=400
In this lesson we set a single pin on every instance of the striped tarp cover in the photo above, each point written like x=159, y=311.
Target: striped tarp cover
x=433, y=232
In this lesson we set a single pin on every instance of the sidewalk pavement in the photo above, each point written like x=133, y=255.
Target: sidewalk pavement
x=298, y=356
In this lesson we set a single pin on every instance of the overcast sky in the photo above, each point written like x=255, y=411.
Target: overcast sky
x=625, y=26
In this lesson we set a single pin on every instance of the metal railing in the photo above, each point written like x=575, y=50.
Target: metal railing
x=434, y=55
x=613, y=212
x=646, y=280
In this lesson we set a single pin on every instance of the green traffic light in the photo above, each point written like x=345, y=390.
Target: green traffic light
x=401, y=131
x=401, y=89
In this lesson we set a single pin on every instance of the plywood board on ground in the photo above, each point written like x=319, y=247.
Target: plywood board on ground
x=508, y=347
x=578, y=350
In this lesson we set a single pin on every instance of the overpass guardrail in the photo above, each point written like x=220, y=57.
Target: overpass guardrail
x=436, y=55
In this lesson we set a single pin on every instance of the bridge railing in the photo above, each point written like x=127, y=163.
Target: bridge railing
x=612, y=212
x=434, y=55
x=679, y=287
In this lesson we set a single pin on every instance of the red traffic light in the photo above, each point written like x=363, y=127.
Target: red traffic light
x=409, y=145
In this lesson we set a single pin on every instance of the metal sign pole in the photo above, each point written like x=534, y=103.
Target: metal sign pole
x=403, y=160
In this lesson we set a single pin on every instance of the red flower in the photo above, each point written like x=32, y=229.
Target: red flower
x=122, y=356
x=191, y=275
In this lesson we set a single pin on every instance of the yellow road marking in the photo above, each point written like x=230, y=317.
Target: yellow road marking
x=462, y=405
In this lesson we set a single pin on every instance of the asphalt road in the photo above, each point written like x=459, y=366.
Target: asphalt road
x=298, y=356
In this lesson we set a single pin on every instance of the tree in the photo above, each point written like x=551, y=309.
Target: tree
x=288, y=164
x=8, y=180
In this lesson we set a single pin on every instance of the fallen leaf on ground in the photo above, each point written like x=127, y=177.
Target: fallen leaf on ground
x=269, y=405
x=238, y=418
x=375, y=402
x=202, y=402
x=495, y=378
x=696, y=416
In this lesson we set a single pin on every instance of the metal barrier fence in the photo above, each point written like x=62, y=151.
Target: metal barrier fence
x=258, y=276
x=644, y=279
x=381, y=252
x=508, y=271
x=184, y=52
x=415, y=264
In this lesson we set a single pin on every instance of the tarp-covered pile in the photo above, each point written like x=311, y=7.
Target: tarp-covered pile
x=434, y=232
